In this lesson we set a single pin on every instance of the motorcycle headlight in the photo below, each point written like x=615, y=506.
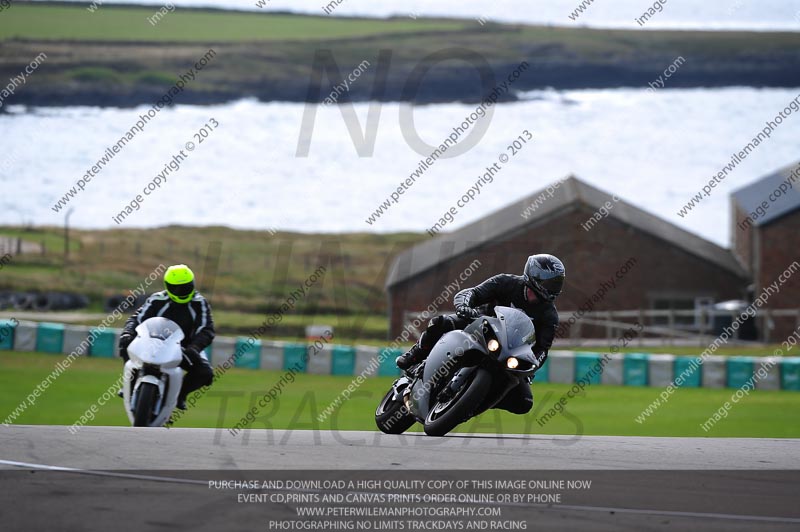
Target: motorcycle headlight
x=512, y=363
x=493, y=345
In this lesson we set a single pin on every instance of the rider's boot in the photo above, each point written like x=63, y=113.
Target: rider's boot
x=415, y=355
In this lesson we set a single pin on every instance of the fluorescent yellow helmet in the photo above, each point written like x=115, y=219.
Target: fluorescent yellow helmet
x=179, y=282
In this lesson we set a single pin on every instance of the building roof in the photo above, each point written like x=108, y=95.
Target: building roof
x=509, y=219
x=751, y=196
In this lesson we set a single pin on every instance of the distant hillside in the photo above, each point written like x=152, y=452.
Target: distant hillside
x=114, y=57
x=255, y=270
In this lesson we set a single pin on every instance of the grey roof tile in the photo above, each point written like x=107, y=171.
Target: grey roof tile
x=571, y=192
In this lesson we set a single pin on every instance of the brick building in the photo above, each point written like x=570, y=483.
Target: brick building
x=617, y=256
x=765, y=236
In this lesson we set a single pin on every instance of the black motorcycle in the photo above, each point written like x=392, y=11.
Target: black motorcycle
x=466, y=373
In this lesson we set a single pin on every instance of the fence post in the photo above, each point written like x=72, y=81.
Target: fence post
x=641, y=322
x=671, y=325
x=705, y=318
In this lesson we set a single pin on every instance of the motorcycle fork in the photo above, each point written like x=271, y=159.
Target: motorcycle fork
x=132, y=386
x=455, y=383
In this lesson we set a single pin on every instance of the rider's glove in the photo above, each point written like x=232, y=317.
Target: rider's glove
x=540, y=357
x=125, y=340
x=190, y=357
x=467, y=312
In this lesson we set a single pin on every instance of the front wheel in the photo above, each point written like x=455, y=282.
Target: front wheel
x=146, y=400
x=445, y=416
x=392, y=416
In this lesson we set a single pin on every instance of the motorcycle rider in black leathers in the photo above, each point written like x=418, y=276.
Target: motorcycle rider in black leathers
x=181, y=303
x=533, y=293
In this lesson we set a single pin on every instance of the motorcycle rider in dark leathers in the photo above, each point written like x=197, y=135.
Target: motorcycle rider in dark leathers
x=533, y=292
x=181, y=303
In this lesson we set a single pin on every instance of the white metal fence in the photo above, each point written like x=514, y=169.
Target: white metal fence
x=665, y=327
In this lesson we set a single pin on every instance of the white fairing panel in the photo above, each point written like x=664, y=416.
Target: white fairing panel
x=157, y=342
x=170, y=381
x=175, y=378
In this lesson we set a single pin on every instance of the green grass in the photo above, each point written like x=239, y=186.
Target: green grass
x=601, y=410
x=59, y=22
x=257, y=270
x=102, y=75
x=269, y=56
x=51, y=238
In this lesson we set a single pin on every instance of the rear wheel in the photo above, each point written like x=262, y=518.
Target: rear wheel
x=392, y=416
x=146, y=400
x=446, y=415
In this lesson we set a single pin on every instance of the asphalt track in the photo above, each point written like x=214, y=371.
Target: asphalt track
x=120, y=478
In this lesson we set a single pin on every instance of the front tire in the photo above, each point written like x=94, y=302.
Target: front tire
x=392, y=416
x=444, y=417
x=147, y=395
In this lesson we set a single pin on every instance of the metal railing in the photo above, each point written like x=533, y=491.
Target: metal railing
x=668, y=327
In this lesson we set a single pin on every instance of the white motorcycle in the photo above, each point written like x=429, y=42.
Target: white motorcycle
x=152, y=376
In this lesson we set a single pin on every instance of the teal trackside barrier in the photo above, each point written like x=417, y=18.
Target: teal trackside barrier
x=7, y=334
x=635, y=367
x=739, y=370
x=542, y=374
x=250, y=356
x=343, y=360
x=585, y=363
x=49, y=337
x=692, y=378
x=790, y=374
x=104, y=344
x=388, y=368
x=294, y=356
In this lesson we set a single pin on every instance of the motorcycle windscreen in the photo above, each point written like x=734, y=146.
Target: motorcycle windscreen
x=158, y=341
x=519, y=327
x=160, y=328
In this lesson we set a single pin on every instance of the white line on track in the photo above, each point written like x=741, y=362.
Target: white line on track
x=102, y=473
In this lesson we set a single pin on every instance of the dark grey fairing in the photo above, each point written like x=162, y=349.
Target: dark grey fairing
x=518, y=327
x=452, y=344
x=458, y=354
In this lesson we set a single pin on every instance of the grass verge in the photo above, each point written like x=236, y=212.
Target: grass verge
x=600, y=410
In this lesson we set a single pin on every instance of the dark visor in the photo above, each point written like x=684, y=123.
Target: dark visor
x=180, y=290
x=553, y=286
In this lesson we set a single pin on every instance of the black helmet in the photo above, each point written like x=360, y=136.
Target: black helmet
x=544, y=274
